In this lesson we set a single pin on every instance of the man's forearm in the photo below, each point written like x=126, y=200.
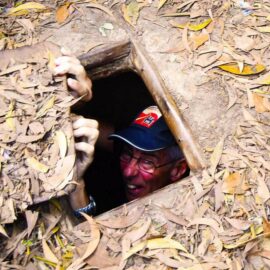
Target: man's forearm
x=79, y=198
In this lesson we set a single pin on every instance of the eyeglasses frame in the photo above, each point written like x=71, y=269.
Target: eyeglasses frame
x=154, y=165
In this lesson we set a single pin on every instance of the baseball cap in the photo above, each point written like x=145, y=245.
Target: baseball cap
x=148, y=131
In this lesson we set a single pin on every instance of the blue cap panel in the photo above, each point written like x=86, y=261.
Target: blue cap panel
x=148, y=132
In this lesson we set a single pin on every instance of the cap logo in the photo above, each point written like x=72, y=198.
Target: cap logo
x=148, y=117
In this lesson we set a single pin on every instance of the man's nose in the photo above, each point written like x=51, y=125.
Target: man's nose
x=131, y=168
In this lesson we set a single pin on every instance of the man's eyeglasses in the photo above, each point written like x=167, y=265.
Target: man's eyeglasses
x=143, y=164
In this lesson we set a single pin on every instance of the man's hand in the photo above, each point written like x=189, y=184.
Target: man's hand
x=69, y=64
x=86, y=134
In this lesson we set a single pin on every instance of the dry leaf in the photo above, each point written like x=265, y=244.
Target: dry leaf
x=263, y=29
x=246, y=238
x=259, y=103
x=62, y=142
x=185, y=40
x=199, y=40
x=101, y=7
x=235, y=184
x=131, y=12
x=197, y=185
x=12, y=69
x=161, y=3
x=51, y=61
x=239, y=224
x=247, y=69
x=10, y=116
x=66, y=181
x=123, y=221
x=101, y=257
x=48, y=254
x=31, y=218
x=207, y=221
x=248, y=117
x=3, y=231
x=28, y=26
x=168, y=261
x=95, y=237
x=92, y=245
x=262, y=188
x=135, y=235
x=216, y=155
x=266, y=226
x=176, y=14
x=131, y=237
x=232, y=94
x=26, y=7
x=207, y=238
x=63, y=12
x=174, y=218
x=27, y=139
x=48, y=105
x=208, y=58
x=62, y=173
x=157, y=243
x=11, y=95
x=193, y=27
x=244, y=43
x=263, y=80
x=36, y=165
x=219, y=196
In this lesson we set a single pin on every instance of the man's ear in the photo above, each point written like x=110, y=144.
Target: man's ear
x=178, y=170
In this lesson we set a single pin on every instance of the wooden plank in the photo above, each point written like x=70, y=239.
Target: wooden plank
x=172, y=114
x=107, y=60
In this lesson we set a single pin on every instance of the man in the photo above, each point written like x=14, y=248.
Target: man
x=150, y=158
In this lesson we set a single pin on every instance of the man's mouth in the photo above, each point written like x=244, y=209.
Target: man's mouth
x=134, y=191
x=132, y=186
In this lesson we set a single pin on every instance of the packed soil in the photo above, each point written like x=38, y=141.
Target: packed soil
x=214, y=58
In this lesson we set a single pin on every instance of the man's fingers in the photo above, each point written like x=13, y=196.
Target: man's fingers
x=66, y=51
x=90, y=133
x=85, y=147
x=85, y=122
x=82, y=86
x=61, y=69
x=79, y=89
x=75, y=117
x=68, y=64
x=76, y=86
x=67, y=59
x=68, y=67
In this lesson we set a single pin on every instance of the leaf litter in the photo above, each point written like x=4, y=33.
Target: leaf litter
x=30, y=117
x=223, y=223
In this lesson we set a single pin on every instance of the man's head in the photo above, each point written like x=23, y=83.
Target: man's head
x=150, y=158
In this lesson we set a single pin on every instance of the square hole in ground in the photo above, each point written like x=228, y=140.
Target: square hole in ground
x=116, y=101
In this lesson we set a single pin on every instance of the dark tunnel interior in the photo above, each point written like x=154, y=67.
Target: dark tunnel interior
x=115, y=103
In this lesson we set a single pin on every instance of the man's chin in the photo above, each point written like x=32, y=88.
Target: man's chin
x=133, y=194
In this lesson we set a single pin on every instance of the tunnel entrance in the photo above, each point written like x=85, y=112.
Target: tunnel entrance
x=116, y=101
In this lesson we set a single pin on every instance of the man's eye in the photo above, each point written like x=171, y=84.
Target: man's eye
x=126, y=155
x=147, y=162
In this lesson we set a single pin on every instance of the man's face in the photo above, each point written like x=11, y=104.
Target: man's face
x=138, y=182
